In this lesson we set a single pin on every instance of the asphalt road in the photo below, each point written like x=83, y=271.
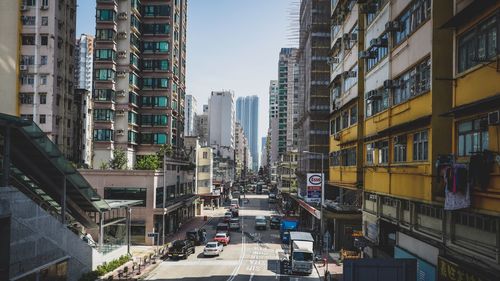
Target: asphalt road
x=251, y=255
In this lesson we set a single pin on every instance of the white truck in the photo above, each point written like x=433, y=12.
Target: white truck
x=301, y=252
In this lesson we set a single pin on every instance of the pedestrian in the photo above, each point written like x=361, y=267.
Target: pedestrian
x=180, y=224
x=213, y=206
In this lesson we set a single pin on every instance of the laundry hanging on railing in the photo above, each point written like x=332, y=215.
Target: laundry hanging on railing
x=457, y=187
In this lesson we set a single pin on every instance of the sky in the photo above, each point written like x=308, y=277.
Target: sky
x=231, y=45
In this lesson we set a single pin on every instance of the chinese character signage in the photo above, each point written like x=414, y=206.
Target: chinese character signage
x=314, y=183
x=450, y=271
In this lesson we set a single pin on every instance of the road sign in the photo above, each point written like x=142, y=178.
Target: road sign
x=152, y=234
x=314, y=183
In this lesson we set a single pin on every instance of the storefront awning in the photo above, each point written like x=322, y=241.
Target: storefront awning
x=310, y=209
x=489, y=103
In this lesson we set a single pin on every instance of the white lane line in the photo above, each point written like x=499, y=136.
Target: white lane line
x=242, y=256
x=251, y=277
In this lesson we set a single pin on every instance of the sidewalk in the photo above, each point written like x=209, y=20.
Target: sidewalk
x=146, y=258
x=332, y=267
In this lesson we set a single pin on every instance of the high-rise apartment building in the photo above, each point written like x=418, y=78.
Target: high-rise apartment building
x=247, y=114
x=288, y=71
x=201, y=126
x=139, y=77
x=221, y=119
x=189, y=115
x=273, y=122
x=312, y=125
x=38, y=46
x=241, y=150
x=84, y=62
x=263, y=152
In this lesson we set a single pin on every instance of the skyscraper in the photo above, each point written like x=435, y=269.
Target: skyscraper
x=84, y=58
x=247, y=114
x=288, y=71
x=37, y=73
x=273, y=122
x=189, y=115
x=221, y=119
x=139, y=77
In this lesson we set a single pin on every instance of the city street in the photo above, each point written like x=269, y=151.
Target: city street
x=251, y=255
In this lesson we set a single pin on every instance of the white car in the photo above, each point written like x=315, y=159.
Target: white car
x=234, y=224
x=213, y=249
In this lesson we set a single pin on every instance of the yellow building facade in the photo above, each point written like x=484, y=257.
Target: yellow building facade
x=427, y=91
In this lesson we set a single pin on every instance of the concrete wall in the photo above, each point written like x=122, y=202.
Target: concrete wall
x=39, y=239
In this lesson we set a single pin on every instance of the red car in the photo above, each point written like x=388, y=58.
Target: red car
x=222, y=238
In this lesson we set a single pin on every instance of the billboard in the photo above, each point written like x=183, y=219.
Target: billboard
x=314, y=183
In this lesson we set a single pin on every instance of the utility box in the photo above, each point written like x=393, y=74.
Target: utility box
x=380, y=270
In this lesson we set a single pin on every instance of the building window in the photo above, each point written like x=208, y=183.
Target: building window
x=43, y=98
x=43, y=60
x=156, y=28
x=104, y=74
x=44, y=40
x=104, y=115
x=430, y=211
x=103, y=135
x=400, y=149
x=420, y=146
x=370, y=153
x=205, y=155
x=132, y=136
x=27, y=117
x=154, y=120
x=349, y=156
x=105, y=54
x=418, y=12
x=27, y=60
x=157, y=10
x=43, y=79
x=377, y=6
x=478, y=221
x=45, y=21
x=105, y=34
x=335, y=158
x=352, y=78
x=132, y=118
x=28, y=39
x=479, y=44
x=377, y=53
x=104, y=95
x=27, y=79
x=383, y=152
x=105, y=15
x=414, y=82
x=26, y=98
x=345, y=119
x=377, y=102
x=159, y=46
x=28, y=20
x=154, y=138
x=154, y=83
x=126, y=193
x=472, y=136
x=354, y=114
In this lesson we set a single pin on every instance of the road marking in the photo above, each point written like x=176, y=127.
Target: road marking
x=251, y=277
x=242, y=256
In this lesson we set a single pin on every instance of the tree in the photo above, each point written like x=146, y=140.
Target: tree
x=148, y=162
x=165, y=149
x=119, y=161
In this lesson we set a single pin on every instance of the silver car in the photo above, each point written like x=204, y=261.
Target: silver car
x=234, y=224
x=213, y=249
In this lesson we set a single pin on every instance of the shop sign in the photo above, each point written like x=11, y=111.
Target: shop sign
x=450, y=271
x=357, y=233
x=314, y=183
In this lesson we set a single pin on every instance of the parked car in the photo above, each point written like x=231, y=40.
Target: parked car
x=235, y=203
x=275, y=222
x=213, y=249
x=222, y=227
x=260, y=222
x=272, y=198
x=181, y=249
x=197, y=236
x=234, y=212
x=223, y=238
x=234, y=224
x=228, y=216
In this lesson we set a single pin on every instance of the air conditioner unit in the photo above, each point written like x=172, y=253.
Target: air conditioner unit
x=333, y=60
x=399, y=139
x=23, y=67
x=379, y=42
x=121, y=93
x=369, y=8
x=393, y=26
x=122, y=16
x=121, y=74
x=349, y=74
x=373, y=94
x=44, y=7
x=122, y=54
x=493, y=118
x=336, y=136
x=120, y=112
x=391, y=83
x=120, y=132
x=122, y=35
x=367, y=54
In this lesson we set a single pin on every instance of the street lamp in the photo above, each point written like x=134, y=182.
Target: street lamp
x=322, y=194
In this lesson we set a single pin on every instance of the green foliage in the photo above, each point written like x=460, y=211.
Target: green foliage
x=166, y=149
x=104, y=268
x=119, y=161
x=103, y=166
x=148, y=162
